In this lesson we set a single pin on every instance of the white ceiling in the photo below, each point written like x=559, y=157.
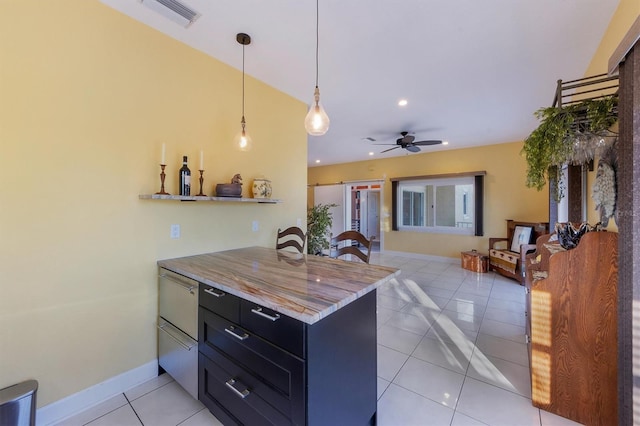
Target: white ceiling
x=473, y=71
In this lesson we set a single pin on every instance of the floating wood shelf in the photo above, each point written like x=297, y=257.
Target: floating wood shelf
x=221, y=199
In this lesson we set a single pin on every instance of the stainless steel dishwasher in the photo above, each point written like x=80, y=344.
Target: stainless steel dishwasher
x=178, y=329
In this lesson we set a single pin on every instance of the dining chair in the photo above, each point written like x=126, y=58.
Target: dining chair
x=362, y=250
x=291, y=237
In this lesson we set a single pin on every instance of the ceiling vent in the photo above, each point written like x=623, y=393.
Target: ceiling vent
x=173, y=10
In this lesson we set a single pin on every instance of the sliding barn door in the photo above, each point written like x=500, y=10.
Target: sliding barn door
x=333, y=194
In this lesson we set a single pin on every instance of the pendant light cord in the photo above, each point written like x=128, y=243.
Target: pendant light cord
x=243, y=82
x=317, y=37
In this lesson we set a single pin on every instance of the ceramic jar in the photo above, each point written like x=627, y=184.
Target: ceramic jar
x=261, y=188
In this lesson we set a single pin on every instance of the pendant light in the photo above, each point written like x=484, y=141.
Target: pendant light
x=242, y=140
x=317, y=121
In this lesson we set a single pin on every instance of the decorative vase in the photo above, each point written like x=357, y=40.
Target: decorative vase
x=261, y=188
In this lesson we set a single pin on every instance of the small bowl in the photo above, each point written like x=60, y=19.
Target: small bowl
x=229, y=190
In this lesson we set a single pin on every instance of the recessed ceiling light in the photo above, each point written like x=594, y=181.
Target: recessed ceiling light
x=317, y=161
x=445, y=142
x=371, y=153
x=402, y=102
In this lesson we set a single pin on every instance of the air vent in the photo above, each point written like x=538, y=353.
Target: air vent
x=173, y=10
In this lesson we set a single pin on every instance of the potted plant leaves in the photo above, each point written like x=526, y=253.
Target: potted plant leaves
x=319, y=222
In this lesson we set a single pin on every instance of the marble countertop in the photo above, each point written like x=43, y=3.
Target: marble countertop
x=304, y=287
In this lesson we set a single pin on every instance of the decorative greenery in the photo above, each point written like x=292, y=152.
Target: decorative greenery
x=319, y=221
x=602, y=113
x=552, y=144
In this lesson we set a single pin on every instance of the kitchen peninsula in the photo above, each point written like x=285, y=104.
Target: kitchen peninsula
x=285, y=338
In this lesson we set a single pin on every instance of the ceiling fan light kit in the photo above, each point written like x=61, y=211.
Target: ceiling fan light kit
x=242, y=140
x=317, y=121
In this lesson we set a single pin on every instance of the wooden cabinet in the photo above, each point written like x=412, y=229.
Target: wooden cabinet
x=257, y=366
x=572, y=328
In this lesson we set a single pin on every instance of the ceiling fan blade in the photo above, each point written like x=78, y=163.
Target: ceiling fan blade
x=394, y=144
x=431, y=142
x=413, y=148
x=387, y=150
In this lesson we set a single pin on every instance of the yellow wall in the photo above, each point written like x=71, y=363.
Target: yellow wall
x=506, y=196
x=625, y=15
x=87, y=97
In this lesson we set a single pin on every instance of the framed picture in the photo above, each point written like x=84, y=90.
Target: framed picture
x=521, y=235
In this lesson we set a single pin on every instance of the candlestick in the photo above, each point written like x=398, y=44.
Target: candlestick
x=163, y=156
x=201, y=179
x=162, y=176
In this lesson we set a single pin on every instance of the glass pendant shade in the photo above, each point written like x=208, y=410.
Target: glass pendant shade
x=317, y=121
x=242, y=140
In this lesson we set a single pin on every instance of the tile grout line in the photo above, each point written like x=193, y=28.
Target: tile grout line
x=134, y=410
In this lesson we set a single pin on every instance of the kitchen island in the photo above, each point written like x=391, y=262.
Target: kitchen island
x=285, y=338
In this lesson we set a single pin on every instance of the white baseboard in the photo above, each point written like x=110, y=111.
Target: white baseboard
x=74, y=404
x=422, y=256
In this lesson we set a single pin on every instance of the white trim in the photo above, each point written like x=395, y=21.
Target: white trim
x=422, y=256
x=78, y=402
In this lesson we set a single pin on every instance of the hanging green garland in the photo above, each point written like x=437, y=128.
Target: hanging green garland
x=554, y=142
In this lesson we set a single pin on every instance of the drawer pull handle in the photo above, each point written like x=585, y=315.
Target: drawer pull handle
x=187, y=286
x=242, y=394
x=258, y=311
x=162, y=328
x=231, y=331
x=213, y=292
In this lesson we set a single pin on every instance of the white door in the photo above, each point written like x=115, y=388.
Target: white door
x=373, y=214
x=332, y=194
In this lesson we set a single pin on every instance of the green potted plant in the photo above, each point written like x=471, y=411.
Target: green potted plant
x=319, y=221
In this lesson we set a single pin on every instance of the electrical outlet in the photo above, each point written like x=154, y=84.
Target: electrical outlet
x=299, y=223
x=254, y=226
x=175, y=231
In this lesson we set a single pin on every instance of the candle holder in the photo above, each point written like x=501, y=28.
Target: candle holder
x=201, y=179
x=162, y=176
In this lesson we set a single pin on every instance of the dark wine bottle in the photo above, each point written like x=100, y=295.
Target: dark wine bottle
x=185, y=178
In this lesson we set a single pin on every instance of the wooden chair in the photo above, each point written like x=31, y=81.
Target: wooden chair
x=291, y=237
x=351, y=236
x=506, y=260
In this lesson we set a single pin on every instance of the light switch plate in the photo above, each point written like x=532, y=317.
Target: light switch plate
x=254, y=226
x=175, y=231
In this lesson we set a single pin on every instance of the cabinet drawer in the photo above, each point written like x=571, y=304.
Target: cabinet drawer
x=178, y=355
x=230, y=399
x=279, y=329
x=178, y=301
x=273, y=376
x=220, y=302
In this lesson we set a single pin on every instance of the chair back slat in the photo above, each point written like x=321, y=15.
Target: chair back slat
x=291, y=237
x=363, y=254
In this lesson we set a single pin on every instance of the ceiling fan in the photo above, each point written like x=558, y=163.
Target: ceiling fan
x=409, y=143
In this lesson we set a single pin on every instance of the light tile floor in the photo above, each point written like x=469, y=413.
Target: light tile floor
x=451, y=351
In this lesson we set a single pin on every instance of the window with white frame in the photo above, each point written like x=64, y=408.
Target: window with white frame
x=444, y=203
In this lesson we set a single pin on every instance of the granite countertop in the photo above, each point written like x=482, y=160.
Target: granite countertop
x=304, y=287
